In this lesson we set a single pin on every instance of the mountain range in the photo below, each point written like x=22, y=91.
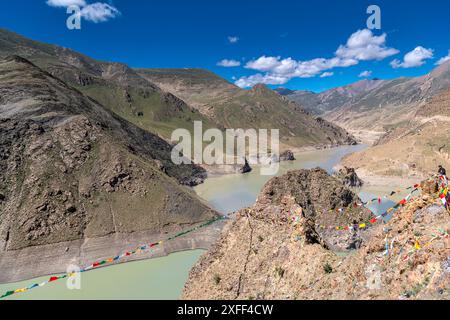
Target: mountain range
x=85, y=156
x=375, y=104
x=162, y=100
x=233, y=107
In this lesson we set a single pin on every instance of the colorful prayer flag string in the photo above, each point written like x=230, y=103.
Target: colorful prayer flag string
x=110, y=260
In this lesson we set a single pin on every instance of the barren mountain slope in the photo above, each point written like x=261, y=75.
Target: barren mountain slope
x=415, y=147
x=260, y=107
x=114, y=85
x=376, y=105
x=71, y=169
x=320, y=103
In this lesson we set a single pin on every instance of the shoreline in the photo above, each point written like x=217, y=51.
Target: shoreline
x=33, y=262
x=374, y=182
x=228, y=169
x=40, y=261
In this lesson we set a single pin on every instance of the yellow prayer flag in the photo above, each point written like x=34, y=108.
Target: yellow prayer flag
x=417, y=245
x=362, y=225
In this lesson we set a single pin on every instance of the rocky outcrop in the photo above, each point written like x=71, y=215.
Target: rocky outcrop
x=276, y=250
x=349, y=177
x=245, y=168
x=287, y=155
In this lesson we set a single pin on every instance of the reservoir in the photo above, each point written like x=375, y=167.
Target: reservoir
x=164, y=278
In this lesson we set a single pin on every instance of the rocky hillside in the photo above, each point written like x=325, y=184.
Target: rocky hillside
x=276, y=250
x=320, y=103
x=376, y=104
x=415, y=147
x=114, y=85
x=71, y=169
x=155, y=100
x=232, y=107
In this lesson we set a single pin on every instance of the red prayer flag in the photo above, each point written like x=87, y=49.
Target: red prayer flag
x=374, y=220
x=53, y=279
x=96, y=264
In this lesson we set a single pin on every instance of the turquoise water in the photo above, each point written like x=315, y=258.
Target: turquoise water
x=164, y=278
x=229, y=193
x=155, y=279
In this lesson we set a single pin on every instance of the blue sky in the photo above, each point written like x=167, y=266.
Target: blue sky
x=292, y=44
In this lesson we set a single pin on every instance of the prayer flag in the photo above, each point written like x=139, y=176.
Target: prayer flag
x=9, y=293
x=417, y=245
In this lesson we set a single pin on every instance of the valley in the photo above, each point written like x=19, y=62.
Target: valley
x=86, y=173
x=86, y=157
x=374, y=107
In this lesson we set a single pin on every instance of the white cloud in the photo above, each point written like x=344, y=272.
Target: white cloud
x=95, y=12
x=233, y=39
x=415, y=58
x=444, y=59
x=327, y=74
x=364, y=46
x=228, y=63
x=99, y=12
x=264, y=63
x=365, y=74
x=66, y=3
x=361, y=46
x=245, y=82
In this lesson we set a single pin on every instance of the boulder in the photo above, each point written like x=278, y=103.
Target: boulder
x=349, y=177
x=245, y=168
x=287, y=155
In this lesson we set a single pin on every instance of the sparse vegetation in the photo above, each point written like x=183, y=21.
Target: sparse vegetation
x=279, y=271
x=327, y=268
x=217, y=279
